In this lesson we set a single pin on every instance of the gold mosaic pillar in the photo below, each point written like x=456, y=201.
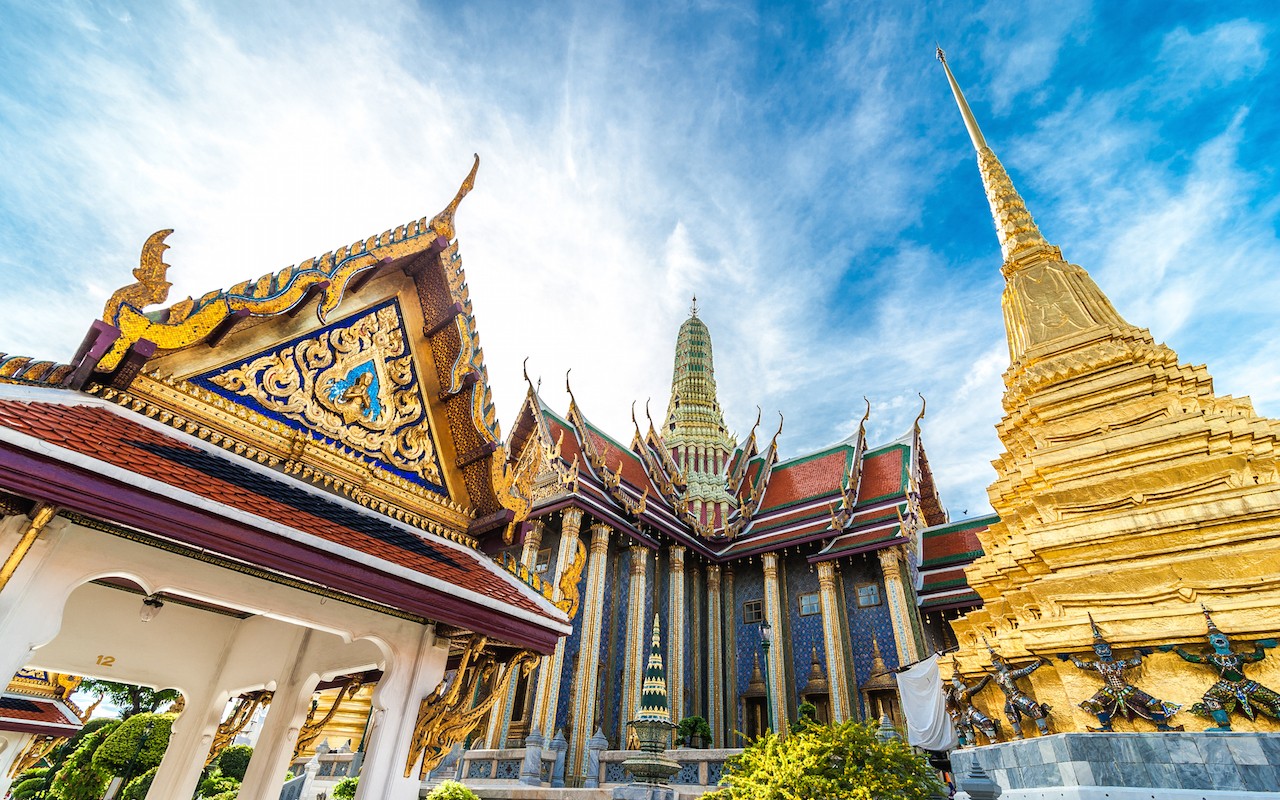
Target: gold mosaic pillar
x=500, y=717
x=696, y=639
x=729, y=611
x=715, y=666
x=774, y=614
x=586, y=683
x=833, y=641
x=675, y=632
x=899, y=601
x=633, y=669
x=553, y=665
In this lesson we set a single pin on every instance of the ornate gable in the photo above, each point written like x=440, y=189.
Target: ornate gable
x=353, y=383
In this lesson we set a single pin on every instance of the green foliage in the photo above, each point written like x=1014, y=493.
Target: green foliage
x=228, y=795
x=28, y=788
x=452, y=790
x=137, y=788
x=690, y=727
x=346, y=789
x=78, y=778
x=841, y=762
x=808, y=715
x=217, y=784
x=34, y=772
x=131, y=699
x=63, y=751
x=137, y=745
x=233, y=761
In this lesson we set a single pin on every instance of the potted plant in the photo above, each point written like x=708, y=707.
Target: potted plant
x=693, y=732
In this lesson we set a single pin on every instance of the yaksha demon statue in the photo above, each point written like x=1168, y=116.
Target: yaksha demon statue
x=1233, y=689
x=964, y=715
x=1017, y=703
x=1118, y=695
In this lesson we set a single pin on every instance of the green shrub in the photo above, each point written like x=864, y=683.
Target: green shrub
x=231, y=795
x=78, y=778
x=235, y=760
x=63, y=751
x=137, y=788
x=807, y=714
x=452, y=790
x=217, y=783
x=28, y=788
x=840, y=761
x=125, y=749
x=690, y=727
x=34, y=772
x=346, y=789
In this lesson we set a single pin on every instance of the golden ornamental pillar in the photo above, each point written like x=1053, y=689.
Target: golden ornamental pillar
x=549, y=673
x=776, y=669
x=833, y=641
x=905, y=636
x=586, y=683
x=715, y=666
x=675, y=633
x=500, y=719
x=637, y=635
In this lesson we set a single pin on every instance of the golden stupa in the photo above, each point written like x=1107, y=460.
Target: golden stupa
x=1127, y=490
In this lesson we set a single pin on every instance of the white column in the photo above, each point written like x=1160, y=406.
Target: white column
x=32, y=601
x=11, y=747
x=500, y=716
x=189, y=745
x=285, y=715
x=412, y=673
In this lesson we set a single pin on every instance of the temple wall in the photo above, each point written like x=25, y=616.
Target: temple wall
x=806, y=631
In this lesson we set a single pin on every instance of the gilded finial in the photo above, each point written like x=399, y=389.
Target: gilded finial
x=151, y=287
x=693, y=309
x=920, y=416
x=443, y=222
x=971, y=124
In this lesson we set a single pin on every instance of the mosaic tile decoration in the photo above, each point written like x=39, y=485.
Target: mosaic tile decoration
x=482, y=769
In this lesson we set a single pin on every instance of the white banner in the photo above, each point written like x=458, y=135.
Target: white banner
x=928, y=724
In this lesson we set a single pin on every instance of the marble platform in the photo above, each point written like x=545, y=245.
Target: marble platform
x=1132, y=766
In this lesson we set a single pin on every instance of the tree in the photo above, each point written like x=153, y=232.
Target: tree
x=131, y=699
x=78, y=778
x=136, y=746
x=843, y=761
x=233, y=761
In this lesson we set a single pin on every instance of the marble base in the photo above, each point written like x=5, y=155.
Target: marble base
x=641, y=791
x=1168, y=766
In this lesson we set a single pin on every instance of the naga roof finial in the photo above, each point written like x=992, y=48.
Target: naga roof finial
x=151, y=287
x=443, y=222
x=923, y=404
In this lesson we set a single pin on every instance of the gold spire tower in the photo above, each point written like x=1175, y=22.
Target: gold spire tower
x=694, y=431
x=1126, y=488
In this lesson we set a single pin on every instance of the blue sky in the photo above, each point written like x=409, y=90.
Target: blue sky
x=801, y=168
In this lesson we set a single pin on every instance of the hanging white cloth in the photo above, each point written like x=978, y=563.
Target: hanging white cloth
x=928, y=724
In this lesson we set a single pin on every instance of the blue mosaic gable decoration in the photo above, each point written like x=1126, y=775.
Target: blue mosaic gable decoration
x=352, y=384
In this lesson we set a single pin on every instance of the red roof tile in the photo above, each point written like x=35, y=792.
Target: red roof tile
x=25, y=714
x=805, y=478
x=111, y=438
x=882, y=475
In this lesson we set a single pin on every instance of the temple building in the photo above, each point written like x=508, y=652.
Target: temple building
x=1129, y=495
x=265, y=497
x=841, y=561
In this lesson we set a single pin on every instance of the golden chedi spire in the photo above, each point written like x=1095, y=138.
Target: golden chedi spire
x=1045, y=297
x=1126, y=488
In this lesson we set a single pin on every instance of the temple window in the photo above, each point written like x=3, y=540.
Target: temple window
x=868, y=595
x=543, y=562
x=752, y=611
x=810, y=604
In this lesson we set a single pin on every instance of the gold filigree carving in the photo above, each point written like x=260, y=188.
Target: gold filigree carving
x=311, y=727
x=568, y=586
x=245, y=707
x=454, y=708
x=151, y=288
x=354, y=384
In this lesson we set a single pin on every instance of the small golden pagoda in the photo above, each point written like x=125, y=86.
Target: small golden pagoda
x=1127, y=490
